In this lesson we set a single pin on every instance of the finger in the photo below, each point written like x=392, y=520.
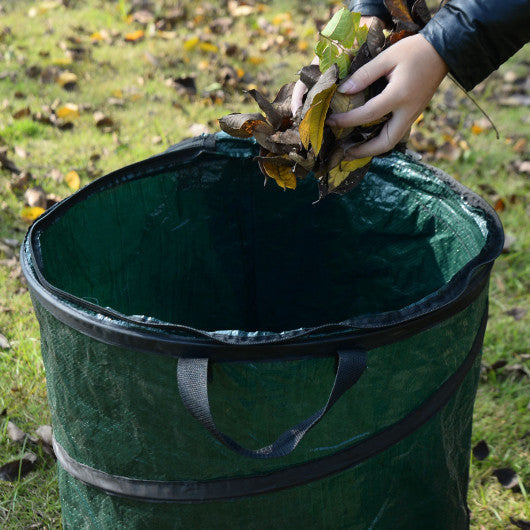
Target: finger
x=298, y=95
x=362, y=78
x=391, y=133
x=372, y=110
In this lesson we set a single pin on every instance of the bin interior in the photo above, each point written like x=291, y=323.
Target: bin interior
x=207, y=245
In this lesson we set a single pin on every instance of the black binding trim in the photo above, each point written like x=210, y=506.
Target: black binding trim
x=240, y=487
x=164, y=343
x=178, y=340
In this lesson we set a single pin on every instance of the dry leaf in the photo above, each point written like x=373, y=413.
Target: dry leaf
x=242, y=125
x=339, y=174
x=67, y=80
x=30, y=213
x=135, y=36
x=15, y=433
x=312, y=126
x=4, y=343
x=11, y=471
x=36, y=196
x=73, y=180
x=69, y=110
x=282, y=174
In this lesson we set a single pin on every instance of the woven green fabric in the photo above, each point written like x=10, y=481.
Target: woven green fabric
x=192, y=238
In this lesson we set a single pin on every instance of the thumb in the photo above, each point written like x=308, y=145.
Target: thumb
x=366, y=75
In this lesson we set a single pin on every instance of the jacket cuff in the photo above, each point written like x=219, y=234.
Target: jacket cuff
x=474, y=37
x=371, y=8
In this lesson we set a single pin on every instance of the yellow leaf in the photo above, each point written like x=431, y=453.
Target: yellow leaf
x=73, y=180
x=280, y=18
x=341, y=172
x=255, y=60
x=203, y=65
x=208, y=47
x=477, y=129
x=62, y=61
x=69, y=110
x=283, y=175
x=135, y=36
x=167, y=35
x=191, y=43
x=30, y=213
x=97, y=37
x=312, y=126
x=66, y=78
x=240, y=72
x=302, y=45
x=118, y=93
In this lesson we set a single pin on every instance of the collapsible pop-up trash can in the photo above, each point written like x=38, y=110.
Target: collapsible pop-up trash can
x=220, y=354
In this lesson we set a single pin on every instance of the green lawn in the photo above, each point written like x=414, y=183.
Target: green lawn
x=135, y=85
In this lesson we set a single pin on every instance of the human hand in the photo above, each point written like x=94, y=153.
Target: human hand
x=300, y=89
x=414, y=70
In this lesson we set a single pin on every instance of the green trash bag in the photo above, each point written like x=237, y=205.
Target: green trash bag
x=220, y=354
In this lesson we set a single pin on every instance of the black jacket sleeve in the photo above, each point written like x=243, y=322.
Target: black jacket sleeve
x=474, y=37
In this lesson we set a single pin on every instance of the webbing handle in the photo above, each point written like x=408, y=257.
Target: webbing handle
x=192, y=377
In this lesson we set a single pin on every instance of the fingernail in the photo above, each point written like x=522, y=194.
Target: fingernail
x=347, y=86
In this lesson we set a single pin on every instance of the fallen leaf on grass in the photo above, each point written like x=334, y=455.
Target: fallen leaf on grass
x=507, y=477
x=68, y=80
x=481, y=450
x=509, y=241
x=519, y=523
x=4, y=343
x=45, y=434
x=36, y=196
x=103, y=121
x=22, y=113
x=135, y=36
x=7, y=163
x=15, y=433
x=518, y=313
x=12, y=471
x=72, y=180
x=31, y=213
x=69, y=110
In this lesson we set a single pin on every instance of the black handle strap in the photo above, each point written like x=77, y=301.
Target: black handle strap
x=192, y=377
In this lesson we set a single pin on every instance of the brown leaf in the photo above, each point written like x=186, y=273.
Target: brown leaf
x=401, y=16
x=375, y=39
x=327, y=80
x=35, y=196
x=102, y=120
x=420, y=13
x=7, y=163
x=289, y=138
x=243, y=125
x=309, y=75
x=481, y=450
x=518, y=313
x=15, y=433
x=22, y=113
x=11, y=471
x=272, y=115
x=507, y=477
x=282, y=102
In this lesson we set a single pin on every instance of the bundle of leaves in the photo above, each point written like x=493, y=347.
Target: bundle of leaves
x=294, y=146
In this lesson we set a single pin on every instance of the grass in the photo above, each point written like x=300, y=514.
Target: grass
x=152, y=115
